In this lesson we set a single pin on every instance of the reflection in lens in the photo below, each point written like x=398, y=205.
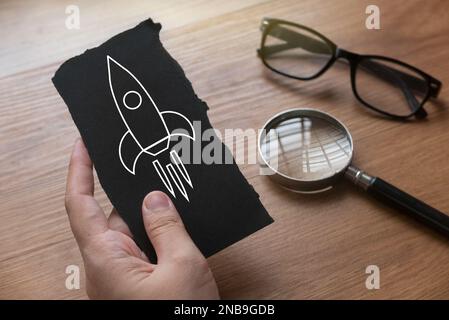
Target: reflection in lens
x=390, y=87
x=295, y=51
x=307, y=148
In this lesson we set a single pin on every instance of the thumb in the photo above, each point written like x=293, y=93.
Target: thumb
x=166, y=230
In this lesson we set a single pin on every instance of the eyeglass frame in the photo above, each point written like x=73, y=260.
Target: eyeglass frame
x=433, y=84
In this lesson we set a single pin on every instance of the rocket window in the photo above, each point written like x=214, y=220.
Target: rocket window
x=132, y=100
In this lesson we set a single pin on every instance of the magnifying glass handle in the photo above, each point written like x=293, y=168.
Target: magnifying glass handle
x=388, y=193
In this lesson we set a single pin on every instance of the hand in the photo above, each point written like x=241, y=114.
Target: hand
x=115, y=266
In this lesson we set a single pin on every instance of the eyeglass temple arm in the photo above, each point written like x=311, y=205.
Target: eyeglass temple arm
x=435, y=87
x=394, y=77
x=294, y=40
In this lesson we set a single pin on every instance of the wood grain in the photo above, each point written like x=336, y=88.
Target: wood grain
x=319, y=245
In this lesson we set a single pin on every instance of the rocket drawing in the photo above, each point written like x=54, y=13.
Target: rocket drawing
x=135, y=104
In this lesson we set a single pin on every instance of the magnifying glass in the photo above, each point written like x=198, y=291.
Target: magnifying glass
x=307, y=151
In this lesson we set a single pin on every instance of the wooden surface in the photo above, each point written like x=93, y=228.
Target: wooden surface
x=319, y=245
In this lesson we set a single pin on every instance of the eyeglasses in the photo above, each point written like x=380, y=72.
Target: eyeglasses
x=389, y=86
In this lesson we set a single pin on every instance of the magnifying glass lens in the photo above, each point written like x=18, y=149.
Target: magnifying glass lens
x=306, y=147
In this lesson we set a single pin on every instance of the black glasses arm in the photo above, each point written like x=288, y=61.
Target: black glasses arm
x=395, y=78
x=294, y=40
x=414, y=83
x=435, y=87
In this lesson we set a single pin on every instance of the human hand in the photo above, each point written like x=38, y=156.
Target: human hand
x=115, y=266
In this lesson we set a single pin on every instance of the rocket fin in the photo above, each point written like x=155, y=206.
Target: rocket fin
x=129, y=152
x=175, y=121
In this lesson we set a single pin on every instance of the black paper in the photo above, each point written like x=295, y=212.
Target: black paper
x=222, y=207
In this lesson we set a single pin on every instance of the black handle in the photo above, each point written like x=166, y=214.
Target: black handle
x=414, y=207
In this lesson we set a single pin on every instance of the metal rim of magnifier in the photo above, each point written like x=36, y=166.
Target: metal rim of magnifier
x=294, y=184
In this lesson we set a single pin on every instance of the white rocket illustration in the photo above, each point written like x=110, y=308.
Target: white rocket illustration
x=134, y=104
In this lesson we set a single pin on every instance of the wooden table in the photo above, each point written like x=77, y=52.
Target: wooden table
x=319, y=245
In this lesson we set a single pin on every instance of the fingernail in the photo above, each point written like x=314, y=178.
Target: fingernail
x=156, y=201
